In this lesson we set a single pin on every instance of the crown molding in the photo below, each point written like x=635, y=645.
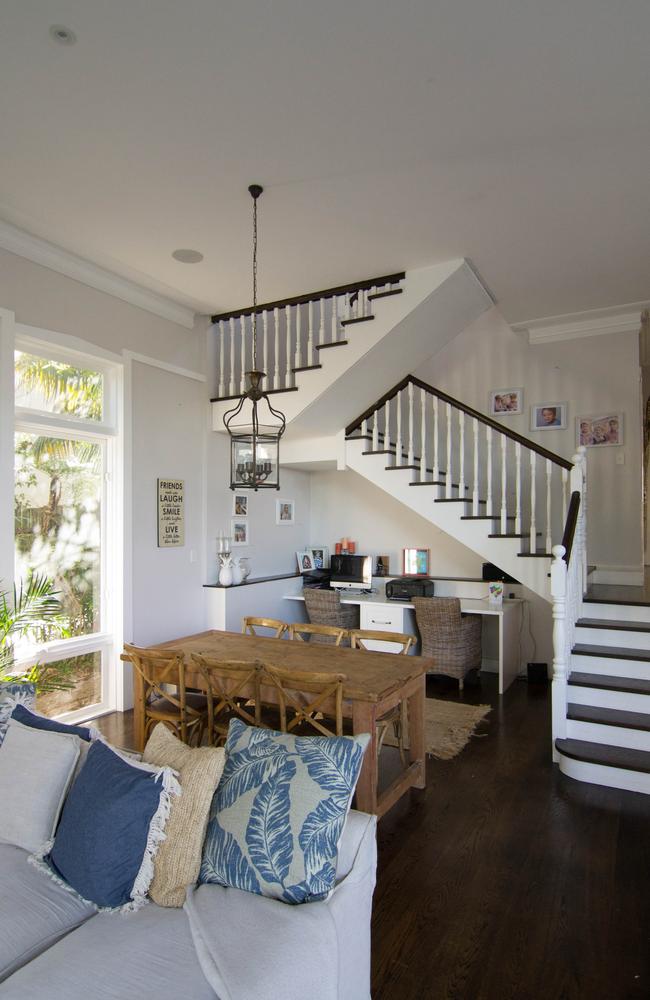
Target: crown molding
x=575, y=326
x=47, y=254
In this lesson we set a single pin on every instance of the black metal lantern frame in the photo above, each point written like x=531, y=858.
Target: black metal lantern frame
x=254, y=446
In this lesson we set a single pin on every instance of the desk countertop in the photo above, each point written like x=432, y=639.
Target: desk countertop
x=469, y=605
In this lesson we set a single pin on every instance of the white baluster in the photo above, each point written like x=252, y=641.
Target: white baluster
x=364, y=427
x=287, y=320
x=518, y=488
x=321, y=324
x=298, y=337
x=461, y=443
x=242, y=337
x=533, y=500
x=265, y=342
x=310, y=335
x=549, y=473
x=387, y=426
x=448, y=476
x=475, y=469
x=488, y=507
x=222, y=351
x=276, y=349
x=436, y=454
x=560, y=645
x=504, y=503
x=411, y=454
x=398, y=444
x=423, y=435
x=375, y=431
x=232, y=356
x=335, y=320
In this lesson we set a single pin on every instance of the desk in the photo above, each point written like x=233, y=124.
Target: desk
x=390, y=616
x=376, y=683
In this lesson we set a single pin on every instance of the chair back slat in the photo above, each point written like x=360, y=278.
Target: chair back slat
x=250, y=625
x=360, y=637
x=293, y=688
x=232, y=687
x=307, y=632
x=156, y=671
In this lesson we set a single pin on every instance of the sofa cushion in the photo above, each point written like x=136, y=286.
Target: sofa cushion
x=145, y=955
x=178, y=860
x=36, y=769
x=34, y=911
x=28, y=718
x=112, y=823
x=279, y=811
x=13, y=693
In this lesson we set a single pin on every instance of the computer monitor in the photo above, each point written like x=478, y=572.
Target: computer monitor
x=351, y=571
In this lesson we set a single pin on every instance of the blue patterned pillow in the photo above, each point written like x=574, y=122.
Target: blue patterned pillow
x=278, y=813
x=14, y=693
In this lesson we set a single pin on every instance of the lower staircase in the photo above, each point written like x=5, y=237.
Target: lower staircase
x=607, y=738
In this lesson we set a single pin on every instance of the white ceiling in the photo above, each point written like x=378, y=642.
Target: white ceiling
x=387, y=136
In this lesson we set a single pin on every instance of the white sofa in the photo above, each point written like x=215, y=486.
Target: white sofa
x=225, y=943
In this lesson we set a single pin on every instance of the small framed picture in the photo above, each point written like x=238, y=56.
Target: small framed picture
x=506, y=402
x=321, y=556
x=600, y=432
x=285, y=511
x=240, y=533
x=416, y=562
x=382, y=567
x=305, y=561
x=548, y=416
x=495, y=592
x=240, y=504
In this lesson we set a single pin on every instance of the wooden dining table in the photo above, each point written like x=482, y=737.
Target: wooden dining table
x=375, y=683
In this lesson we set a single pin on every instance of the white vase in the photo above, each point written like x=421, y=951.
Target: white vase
x=236, y=572
x=225, y=574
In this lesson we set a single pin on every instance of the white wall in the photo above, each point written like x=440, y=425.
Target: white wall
x=596, y=375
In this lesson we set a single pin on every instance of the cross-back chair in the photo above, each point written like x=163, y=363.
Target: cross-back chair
x=308, y=696
x=233, y=691
x=185, y=713
x=252, y=626
x=306, y=632
x=397, y=716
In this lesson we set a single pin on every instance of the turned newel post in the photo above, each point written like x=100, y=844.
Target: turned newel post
x=560, y=645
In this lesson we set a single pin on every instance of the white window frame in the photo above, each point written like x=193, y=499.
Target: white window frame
x=109, y=433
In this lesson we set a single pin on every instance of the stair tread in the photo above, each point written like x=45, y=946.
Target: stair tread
x=602, y=753
x=306, y=368
x=608, y=717
x=384, y=295
x=434, y=482
x=513, y=534
x=485, y=517
x=617, y=626
x=336, y=343
x=630, y=685
x=613, y=652
x=456, y=500
x=627, y=603
x=535, y=555
x=356, y=319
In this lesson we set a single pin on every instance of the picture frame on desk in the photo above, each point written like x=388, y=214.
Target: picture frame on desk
x=305, y=559
x=415, y=562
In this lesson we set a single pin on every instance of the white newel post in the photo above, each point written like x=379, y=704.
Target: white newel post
x=560, y=664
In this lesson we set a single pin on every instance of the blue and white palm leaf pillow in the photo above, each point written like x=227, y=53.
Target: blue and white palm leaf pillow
x=283, y=801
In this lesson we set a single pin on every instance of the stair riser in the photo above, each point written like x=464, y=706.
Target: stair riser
x=613, y=736
x=612, y=637
x=601, y=698
x=617, y=612
x=610, y=777
x=610, y=667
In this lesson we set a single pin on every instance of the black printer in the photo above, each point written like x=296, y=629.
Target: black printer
x=405, y=588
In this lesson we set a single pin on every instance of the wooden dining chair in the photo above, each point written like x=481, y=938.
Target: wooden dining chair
x=252, y=626
x=308, y=697
x=306, y=632
x=185, y=713
x=397, y=716
x=232, y=688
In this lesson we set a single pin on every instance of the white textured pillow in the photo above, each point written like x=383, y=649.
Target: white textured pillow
x=36, y=768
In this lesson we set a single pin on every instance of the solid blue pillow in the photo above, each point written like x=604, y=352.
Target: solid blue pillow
x=278, y=812
x=105, y=831
x=27, y=718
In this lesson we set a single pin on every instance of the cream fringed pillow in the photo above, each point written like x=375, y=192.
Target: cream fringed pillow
x=178, y=860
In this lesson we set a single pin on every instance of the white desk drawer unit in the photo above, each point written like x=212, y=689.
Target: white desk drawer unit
x=384, y=618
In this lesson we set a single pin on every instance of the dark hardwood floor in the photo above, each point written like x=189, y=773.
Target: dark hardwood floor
x=503, y=880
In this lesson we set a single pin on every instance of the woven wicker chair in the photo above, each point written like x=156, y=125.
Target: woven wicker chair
x=324, y=608
x=452, y=640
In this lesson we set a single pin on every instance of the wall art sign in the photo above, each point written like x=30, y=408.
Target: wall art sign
x=171, y=512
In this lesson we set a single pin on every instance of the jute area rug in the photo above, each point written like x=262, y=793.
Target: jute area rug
x=448, y=727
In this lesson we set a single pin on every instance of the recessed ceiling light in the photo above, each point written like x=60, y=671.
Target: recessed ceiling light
x=63, y=35
x=188, y=256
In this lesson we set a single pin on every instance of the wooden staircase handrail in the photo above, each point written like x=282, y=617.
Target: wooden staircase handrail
x=469, y=410
x=326, y=293
x=570, y=525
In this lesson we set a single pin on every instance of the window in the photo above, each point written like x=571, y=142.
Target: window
x=65, y=521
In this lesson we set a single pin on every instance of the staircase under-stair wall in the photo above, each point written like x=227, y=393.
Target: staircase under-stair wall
x=500, y=494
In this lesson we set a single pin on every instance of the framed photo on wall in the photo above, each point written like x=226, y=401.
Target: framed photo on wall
x=506, y=402
x=600, y=432
x=415, y=562
x=548, y=416
x=321, y=555
x=240, y=532
x=285, y=512
x=240, y=504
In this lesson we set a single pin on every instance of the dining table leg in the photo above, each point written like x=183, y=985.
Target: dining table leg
x=364, y=720
x=417, y=749
x=138, y=710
